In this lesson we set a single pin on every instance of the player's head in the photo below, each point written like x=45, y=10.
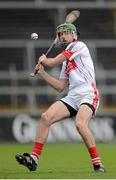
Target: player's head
x=66, y=32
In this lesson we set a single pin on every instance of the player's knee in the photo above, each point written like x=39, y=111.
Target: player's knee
x=45, y=118
x=80, y=126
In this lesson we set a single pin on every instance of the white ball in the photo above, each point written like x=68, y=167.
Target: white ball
x=34, y=36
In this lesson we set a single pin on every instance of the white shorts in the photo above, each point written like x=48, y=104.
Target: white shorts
x=83, y=94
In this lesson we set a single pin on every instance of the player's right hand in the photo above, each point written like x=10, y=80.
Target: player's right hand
x=41, y=59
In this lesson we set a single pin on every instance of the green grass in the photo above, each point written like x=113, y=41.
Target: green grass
x=61, y=161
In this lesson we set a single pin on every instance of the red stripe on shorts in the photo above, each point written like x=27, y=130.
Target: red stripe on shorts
x=96, y=98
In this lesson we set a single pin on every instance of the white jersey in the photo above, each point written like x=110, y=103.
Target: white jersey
x=78, y=68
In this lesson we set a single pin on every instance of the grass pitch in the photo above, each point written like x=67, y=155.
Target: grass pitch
x=58, y=161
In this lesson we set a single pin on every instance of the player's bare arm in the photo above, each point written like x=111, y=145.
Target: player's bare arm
x=51, y=62
x=58, y=84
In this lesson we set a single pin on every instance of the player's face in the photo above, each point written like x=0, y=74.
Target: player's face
x=66, y=37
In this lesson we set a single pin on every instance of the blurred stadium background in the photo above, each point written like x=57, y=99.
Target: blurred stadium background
x=22, y=98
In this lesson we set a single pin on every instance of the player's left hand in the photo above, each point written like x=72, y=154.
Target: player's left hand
x=40, y=69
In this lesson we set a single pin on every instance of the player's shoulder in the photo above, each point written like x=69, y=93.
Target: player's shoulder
x=76, y=45
x=80, y=44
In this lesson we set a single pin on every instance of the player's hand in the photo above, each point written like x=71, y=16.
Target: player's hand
x=42, y=59
x=40, y=69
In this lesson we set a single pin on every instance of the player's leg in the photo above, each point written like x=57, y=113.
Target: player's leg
x=82, y=120
x=55, y=112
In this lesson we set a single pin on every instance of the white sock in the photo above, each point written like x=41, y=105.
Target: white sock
x=35, y=158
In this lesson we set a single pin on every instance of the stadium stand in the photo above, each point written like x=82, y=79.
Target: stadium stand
x=18, y=54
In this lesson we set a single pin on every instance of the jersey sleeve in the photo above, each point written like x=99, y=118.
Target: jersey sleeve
x=62, y=73
x=68, y=54
x=73, y=52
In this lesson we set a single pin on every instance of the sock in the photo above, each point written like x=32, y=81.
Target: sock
x=94, y=156
x=37, y=150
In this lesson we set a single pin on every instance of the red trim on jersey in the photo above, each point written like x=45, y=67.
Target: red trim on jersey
x=67, y=54
x=96, y=98
x=71, y=65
